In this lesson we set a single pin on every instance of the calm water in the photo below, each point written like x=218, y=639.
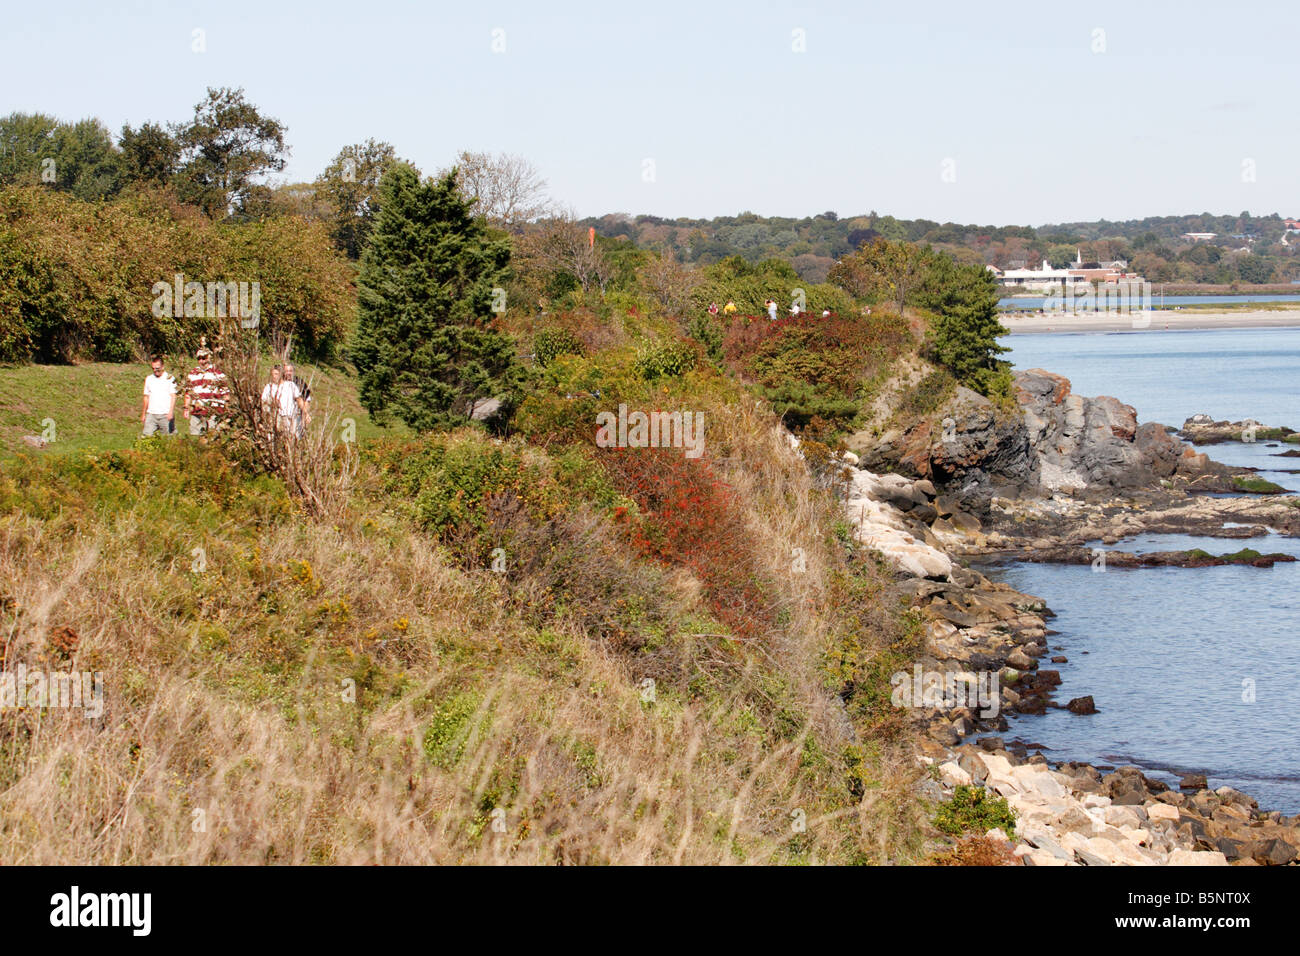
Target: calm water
x=1038, y=302
x=1171, y=655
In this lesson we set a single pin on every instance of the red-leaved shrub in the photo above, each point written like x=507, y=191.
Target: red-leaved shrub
x=691, y=519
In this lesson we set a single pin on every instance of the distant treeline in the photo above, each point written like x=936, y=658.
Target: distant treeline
x=1246, y=249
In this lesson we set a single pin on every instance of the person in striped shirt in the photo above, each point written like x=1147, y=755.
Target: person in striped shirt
x=206, y=395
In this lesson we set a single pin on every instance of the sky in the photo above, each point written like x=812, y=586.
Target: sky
x=977, y=112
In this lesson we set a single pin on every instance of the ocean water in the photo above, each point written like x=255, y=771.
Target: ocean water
x=1192, y=669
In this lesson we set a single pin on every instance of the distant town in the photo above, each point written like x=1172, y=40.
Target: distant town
x=1046, y=279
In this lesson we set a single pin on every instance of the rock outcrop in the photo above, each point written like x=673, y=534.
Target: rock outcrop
x=1050, y=441
x=1204, y=430
x=983, y=634
x=877, y=505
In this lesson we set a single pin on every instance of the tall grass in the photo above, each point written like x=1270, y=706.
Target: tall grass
x=344, y=686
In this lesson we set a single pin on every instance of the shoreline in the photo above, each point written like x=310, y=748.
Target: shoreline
x=1159, y=321
x=1068, y=812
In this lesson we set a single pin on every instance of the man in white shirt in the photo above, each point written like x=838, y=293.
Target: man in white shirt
x=158, y=405
x=283, y=402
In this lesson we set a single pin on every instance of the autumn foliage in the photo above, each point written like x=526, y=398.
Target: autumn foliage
x=690, y=518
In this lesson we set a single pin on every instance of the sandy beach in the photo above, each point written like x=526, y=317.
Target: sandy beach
x=1154, y=321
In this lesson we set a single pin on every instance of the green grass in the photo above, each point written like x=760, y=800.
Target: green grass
x=1244, y=556
x=96, y=406
x=1258, y=486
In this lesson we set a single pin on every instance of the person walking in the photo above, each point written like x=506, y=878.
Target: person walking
x=282, y=403
x=158, y=403
x=303, y=416
x=207, y=394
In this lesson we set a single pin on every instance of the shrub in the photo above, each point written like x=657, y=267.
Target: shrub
x=927, y=397
x=705, y=330
x=689, y=518
x=76, y=279
x=975, y=809
x=549, y=344
x=978, y=851
x=667, y=359
x=449, y=730
x=813, y=367
x=451, y=484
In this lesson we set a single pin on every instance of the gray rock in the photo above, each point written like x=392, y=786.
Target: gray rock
x=1088, y=858
x=485, y=408
x=1041, y=840
x=1272, y=852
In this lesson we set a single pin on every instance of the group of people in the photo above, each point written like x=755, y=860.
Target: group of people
x=206, y=398
x=769, y=305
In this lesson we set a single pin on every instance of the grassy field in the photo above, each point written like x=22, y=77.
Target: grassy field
x=95, y=406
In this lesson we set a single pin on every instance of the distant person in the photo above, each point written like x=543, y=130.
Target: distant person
x=158, y=404
x=729, y=308
x=282, y=402
x=713, y=308
x=826, y=313
x=207, y=395
x=770, y=305
x=304, y=392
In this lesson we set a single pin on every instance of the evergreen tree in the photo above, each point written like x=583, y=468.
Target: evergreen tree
x=424, y=345
x=964, y=333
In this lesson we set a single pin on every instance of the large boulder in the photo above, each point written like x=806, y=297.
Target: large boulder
x=1050, y=440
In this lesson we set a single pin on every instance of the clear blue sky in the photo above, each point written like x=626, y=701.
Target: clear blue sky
x=1038, y=126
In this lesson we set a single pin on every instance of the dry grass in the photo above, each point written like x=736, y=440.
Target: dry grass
x=978, y=851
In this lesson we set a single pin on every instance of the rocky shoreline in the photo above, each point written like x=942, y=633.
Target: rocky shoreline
x=1072, y=473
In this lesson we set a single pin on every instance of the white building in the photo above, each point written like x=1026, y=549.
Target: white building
x=1045, y=278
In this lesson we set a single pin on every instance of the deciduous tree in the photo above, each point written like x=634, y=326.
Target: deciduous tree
x=225, y=150
x=891, y=270
x=506, y=189
x=350, y=186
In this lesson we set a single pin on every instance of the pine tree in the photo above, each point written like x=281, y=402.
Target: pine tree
x=964, y=333
x=424, y=345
